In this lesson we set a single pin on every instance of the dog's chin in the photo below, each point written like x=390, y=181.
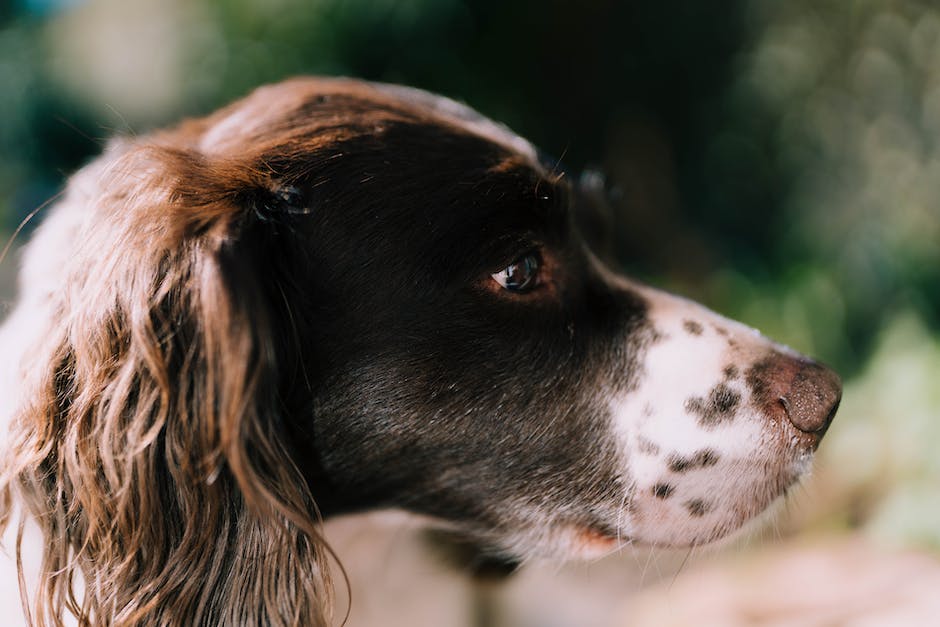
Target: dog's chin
x=693, y=523
x=716, y=514
x=589, y=543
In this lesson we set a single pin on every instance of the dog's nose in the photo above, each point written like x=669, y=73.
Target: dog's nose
x=813, y=397
x=808, y=391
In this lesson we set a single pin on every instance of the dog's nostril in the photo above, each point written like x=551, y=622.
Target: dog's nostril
x=812, y=397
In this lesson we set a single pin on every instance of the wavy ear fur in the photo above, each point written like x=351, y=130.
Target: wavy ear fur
x=148, y=441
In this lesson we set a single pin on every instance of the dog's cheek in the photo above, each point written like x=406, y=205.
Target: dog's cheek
x=523, y=478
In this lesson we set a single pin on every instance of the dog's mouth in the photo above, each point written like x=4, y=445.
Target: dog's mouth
x=585, y=539
x=592, y=540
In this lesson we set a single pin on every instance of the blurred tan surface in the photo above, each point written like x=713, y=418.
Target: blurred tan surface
x=398, y=581
x=815, y=581
x=823, y=582
x=803, y=581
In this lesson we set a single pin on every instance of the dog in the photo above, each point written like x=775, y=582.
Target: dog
x=333, y=296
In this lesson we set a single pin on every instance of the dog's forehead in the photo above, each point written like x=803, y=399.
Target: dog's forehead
x=470, y=119
x=341, y=100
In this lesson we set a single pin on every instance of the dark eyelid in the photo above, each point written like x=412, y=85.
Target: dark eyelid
x=509, y=247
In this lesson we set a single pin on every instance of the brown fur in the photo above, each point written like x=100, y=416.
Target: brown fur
x=150, y=450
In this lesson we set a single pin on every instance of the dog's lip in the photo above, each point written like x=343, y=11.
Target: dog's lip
x=598, y=536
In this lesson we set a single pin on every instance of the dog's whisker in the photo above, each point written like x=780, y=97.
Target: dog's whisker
x=685, y=560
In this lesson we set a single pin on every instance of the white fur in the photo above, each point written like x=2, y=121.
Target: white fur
x=653, y=424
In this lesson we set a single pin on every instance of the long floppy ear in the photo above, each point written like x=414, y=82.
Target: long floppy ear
x=148, y=443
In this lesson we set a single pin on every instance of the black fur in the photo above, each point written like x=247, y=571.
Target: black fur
x=420, y=386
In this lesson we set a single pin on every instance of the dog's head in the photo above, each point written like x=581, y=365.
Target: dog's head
x=377, y=297
x=470, y=359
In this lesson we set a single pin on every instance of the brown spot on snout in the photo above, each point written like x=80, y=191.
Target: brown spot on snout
x=697, y=507
x=647, y=446
x=663, y=490
x=692, y=327
x=717, y=408
x=702, y=459
x=807, y=392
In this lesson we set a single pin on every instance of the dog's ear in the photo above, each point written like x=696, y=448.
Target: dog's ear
x=150, y=447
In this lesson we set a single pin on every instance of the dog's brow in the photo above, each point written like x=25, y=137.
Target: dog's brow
x=553, y=196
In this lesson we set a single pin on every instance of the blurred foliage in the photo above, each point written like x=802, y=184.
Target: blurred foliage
x=853, y=93
x=889, y=447
x=778, y=160
x=769, y=147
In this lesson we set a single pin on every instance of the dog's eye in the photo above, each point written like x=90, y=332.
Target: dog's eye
x=521, y=275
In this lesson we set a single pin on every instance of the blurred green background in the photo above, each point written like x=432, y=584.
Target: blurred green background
x=779, y=161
